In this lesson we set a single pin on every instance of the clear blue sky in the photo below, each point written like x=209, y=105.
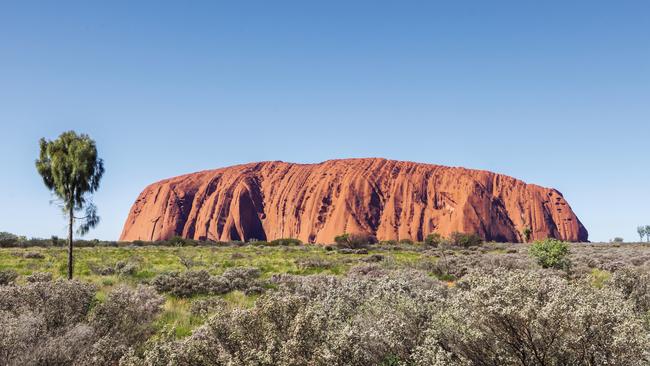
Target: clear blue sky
x=556, y=93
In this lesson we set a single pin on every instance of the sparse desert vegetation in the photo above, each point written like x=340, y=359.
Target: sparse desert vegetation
x=433, y=303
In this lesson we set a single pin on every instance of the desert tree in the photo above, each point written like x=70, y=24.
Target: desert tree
x=647, y=233
x=71, y=169
x=642, y=231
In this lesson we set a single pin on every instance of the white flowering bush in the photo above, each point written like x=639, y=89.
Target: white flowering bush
x=532, y=318
x=59, y=323
x=313, y=320
x=201, y=282
x=634, y=285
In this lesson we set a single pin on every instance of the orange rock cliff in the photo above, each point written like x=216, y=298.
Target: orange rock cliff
x=391, y=200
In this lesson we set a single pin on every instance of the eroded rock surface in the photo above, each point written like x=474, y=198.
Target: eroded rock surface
x=392, y=200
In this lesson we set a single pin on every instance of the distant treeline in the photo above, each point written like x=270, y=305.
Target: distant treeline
x=8, y=240
x=351, y=241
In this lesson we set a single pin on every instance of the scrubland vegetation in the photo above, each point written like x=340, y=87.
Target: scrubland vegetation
x=441, y=302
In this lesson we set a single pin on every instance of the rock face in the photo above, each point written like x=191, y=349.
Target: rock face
x=391, y=200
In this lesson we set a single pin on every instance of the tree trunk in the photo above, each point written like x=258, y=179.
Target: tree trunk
x=70, y=242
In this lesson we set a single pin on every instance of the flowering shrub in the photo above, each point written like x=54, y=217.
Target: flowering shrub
x=51, y=323
x=7, y=276
x=531, y=318
x=634, y=285
x=313, y=320
x=39, y=277
x=201, y=282
x=496, y=307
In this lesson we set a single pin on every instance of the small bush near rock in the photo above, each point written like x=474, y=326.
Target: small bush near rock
x=286, y=242
x=433, y=239
x=551, y=253
x=354, y=241
x=465, y=240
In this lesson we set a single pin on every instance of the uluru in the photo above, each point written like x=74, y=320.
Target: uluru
x=388, y=199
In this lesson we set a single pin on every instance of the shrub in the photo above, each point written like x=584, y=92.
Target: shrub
x=200, y=282
x=373, y=258
x=312, y=263
x=433, y=239
x=531, y=318
x=7, y=276
x=312, y=320
x=123, y=268
x=354, y=241
x=190, y=283
x=126, y=313
x=342, y=239
x=126, y=268
x=286, y=242
x=465, y=240
x=8, y=240
x=634, y=285
x=207, y=306
x=101, y=270
x=51, y=323
x=33, y=255
x=39, y=277
x=243, y=279
x=551, y=253
x=188, y=261
x=178, y=241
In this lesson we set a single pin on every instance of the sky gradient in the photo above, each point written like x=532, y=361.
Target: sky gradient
x=555, y=93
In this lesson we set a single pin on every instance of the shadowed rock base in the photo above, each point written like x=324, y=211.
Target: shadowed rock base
x=389, y=199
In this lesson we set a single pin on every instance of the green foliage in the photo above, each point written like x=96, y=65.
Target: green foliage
x=342, y=239
x=551, y=253
x=286, y=242
x=465, y=240
x=599, y=277
x=179, y=241
x=433, y=239
x=71, y=169
x=354, y=241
